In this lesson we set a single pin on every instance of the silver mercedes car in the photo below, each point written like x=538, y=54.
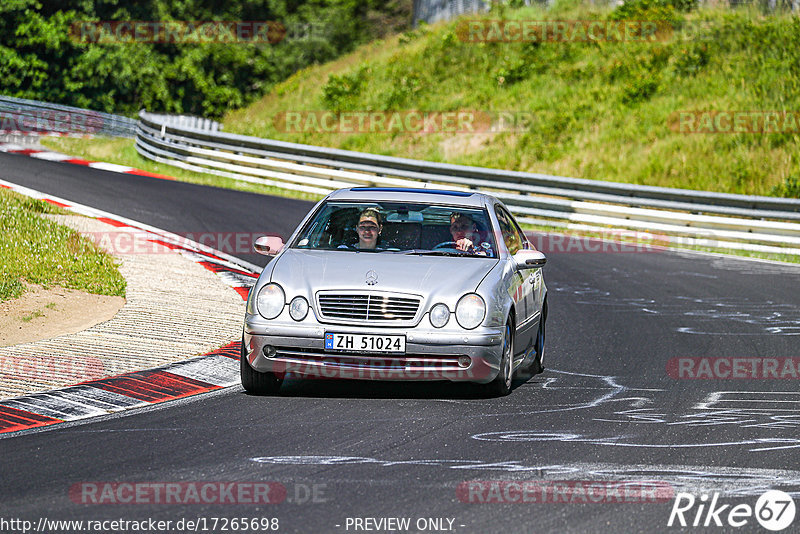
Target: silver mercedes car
x=398, y=284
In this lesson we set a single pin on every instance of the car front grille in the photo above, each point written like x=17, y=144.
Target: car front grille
x=368, y=306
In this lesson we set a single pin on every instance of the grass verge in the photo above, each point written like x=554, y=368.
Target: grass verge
x=38, y=251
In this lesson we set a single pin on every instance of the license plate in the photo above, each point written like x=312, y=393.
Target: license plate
x=364, y=342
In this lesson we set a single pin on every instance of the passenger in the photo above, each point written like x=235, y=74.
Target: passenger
x=369, y=229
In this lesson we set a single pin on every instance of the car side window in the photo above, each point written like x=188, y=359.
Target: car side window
x=509, y=230
x=525, y=243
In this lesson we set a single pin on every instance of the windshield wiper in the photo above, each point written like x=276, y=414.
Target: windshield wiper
x=436, y=253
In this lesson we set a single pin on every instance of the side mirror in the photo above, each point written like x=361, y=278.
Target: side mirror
x=268, y=245
x=529, y=259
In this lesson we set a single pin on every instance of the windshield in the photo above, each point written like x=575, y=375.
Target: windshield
x=392, y=227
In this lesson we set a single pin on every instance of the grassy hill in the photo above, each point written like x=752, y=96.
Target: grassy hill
x=600, y=110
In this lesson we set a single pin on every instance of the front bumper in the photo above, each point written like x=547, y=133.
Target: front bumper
x=431, y=354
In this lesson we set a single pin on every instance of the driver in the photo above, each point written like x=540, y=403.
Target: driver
x=464, y=231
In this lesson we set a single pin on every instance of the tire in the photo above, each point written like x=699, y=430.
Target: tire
x=257, y=382
x=501, y=386
x=537, y=365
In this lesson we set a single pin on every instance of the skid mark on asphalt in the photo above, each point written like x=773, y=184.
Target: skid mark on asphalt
x=759, y=401
x=777, y=410
x=754, y=317
x=741, y=417
x=625, y=408
x=629, y=441
x=730, y=481
x=586, y=391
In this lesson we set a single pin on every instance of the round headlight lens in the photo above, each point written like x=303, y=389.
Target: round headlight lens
x=470, y=311
x=298, y=308
x=270, y=301
x=439, y=315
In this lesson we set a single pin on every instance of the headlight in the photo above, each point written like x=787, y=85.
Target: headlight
x=298, y=308
x=439, y=315
x=270, y=301
x=470, y=311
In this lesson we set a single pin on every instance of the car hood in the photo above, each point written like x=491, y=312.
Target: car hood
x=429, y=276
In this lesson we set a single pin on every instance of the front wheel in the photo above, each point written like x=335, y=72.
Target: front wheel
x=538, y=363
x=536, y=366
x=501, y=386
x=257, y=382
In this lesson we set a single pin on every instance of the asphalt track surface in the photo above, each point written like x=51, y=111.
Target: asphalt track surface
x=605, y=409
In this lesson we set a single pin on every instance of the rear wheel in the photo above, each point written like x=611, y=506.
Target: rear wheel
x=257, y=382
x=501, y=386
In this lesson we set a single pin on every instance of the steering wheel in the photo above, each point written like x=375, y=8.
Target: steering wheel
x=454, y=246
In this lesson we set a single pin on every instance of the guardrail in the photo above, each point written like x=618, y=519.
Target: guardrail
x=431, y=11
x=19, y=116
x=188, y=121
x=680, y=216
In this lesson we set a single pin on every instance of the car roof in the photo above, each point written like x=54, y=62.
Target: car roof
x=407, y=194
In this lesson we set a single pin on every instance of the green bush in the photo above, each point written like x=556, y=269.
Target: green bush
x=340, y=92
x=652, y=9
x=39, y=59
x=789, y=188
x=691, y=59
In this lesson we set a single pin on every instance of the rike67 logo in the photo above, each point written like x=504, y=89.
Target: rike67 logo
x=774, y=510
